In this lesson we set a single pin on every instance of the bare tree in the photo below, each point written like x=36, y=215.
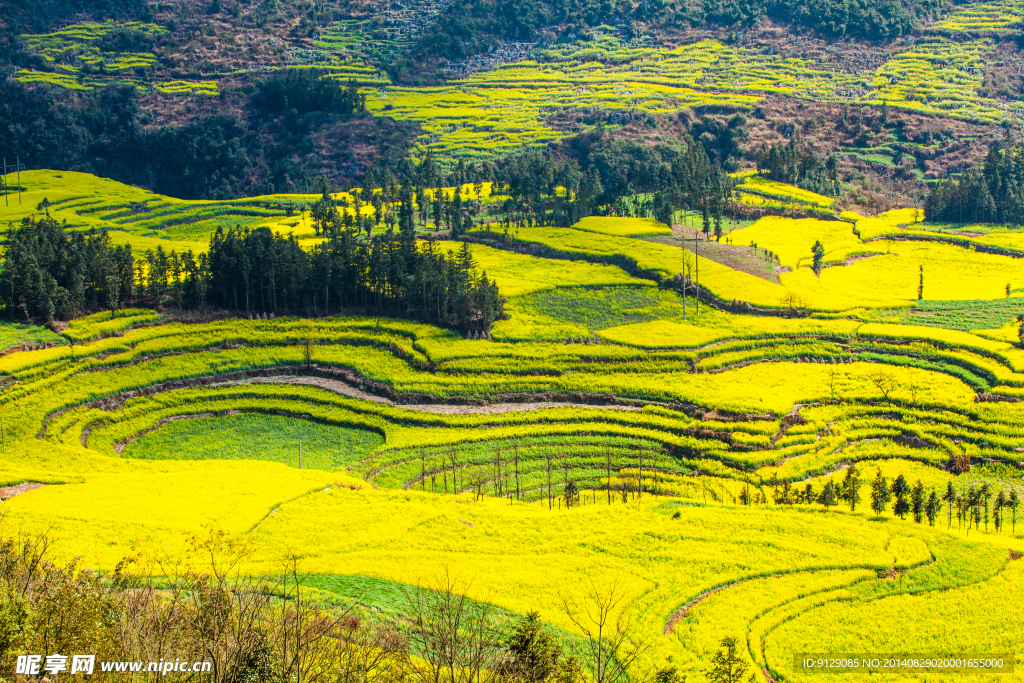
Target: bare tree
x=305, y=636
x=609, y=638
x=884, y=382
x=914, y=386
x=224, y=611
x=454, y=637
x=794, y=301
x=370, y=653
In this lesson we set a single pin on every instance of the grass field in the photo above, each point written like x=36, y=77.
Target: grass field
x=257, y=437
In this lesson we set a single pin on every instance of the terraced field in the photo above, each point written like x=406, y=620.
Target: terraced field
x=682, y=448
x=611, y=430
x=516, y=104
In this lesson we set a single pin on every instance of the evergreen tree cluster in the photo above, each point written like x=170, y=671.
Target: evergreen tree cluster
x=51, y=274
x=258, y=144
x=592, y=173
x=795, y=165
x=993, y=194
x=308, y=90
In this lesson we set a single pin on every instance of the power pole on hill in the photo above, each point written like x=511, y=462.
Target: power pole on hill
x=497, y=474
x=696, y=268
x=640, y=475
x=548, y=469
x=455, y=463
x=3, y=437
x=608, y=471
x=565, y=478
x=8, y=169
x=516, y=446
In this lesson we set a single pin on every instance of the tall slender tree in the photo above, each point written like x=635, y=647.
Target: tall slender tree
x=880, y=494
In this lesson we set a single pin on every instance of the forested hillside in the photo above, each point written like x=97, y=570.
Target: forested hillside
x=221, y=99
x=468, y=27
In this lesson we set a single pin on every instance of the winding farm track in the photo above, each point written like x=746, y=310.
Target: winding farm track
x=344, y=389
x=678, y=615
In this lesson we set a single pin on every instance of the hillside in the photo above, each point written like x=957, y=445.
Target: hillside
x=919, y=98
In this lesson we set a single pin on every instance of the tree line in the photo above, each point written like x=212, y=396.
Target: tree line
x=976, y=504
x=53, y=274
x=260, y=141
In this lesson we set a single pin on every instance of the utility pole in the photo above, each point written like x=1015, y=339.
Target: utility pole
x=640, y=475
x=19, y=180
x=608, y=472
x=548, y=468
x=696, y=266
x=3, y=437
x=6, y=202
x=516, y=446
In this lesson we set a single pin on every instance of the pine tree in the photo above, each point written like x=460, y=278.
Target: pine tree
x=880, y=494
x=829, y=495
x=949, y=498
x=917, y=501
x=819, y=256
x=900, y=490
x=932, y=507
x=997, y=509
x=851, y=487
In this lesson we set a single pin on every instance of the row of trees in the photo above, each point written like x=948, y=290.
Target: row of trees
x=982, y=503
x=396, y=204
x=50, y=273
x=976, y=504
x=906, y=499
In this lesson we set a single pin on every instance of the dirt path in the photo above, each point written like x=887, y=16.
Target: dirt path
x=11, y=491
x=344, y=389
x=678, y=615
x=737, y=257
